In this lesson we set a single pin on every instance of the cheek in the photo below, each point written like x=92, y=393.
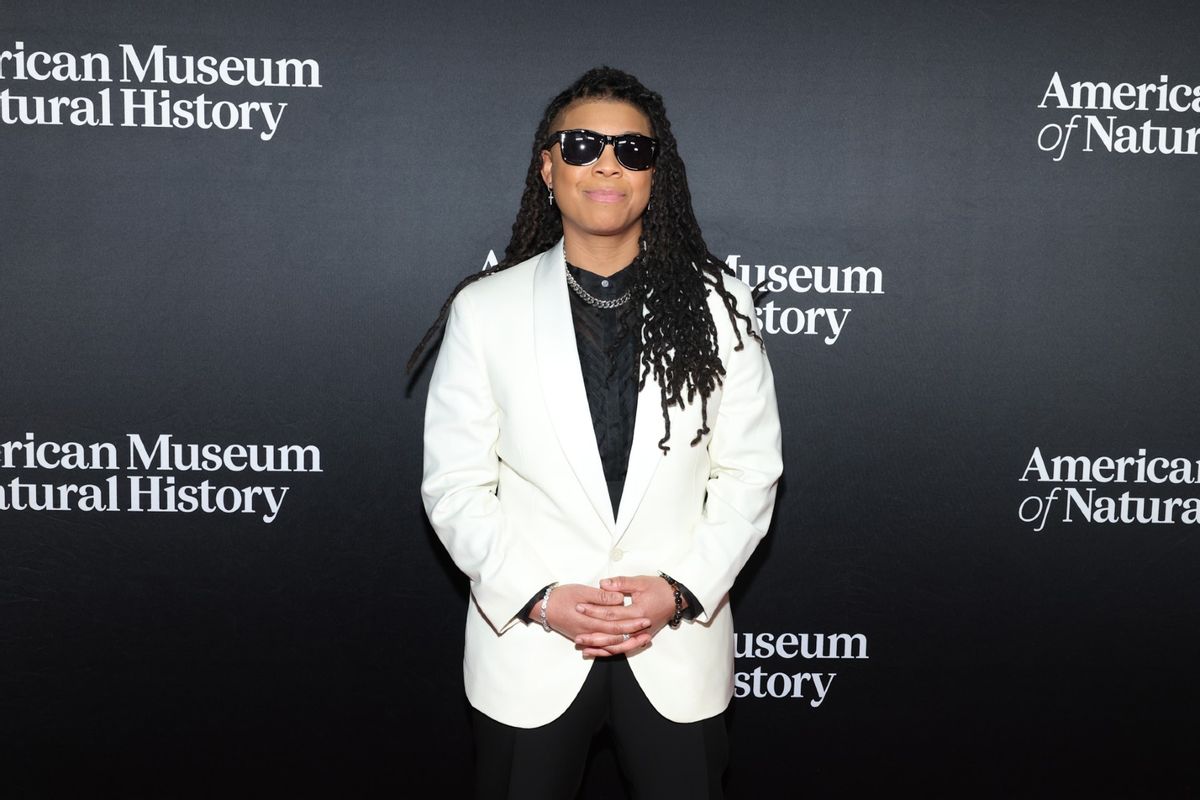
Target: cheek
x=644, y=190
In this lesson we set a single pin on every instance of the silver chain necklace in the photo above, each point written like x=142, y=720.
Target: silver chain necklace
x=583, y=293
x=592, y=299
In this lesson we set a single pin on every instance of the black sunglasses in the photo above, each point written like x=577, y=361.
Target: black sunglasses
x=581, y=147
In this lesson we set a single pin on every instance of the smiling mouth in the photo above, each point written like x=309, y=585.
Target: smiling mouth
x=605, y=195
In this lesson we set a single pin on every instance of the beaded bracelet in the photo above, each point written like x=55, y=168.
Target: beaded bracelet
x=545, y=600
x=678, y=615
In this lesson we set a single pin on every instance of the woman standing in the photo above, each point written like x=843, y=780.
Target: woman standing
x=602, y=449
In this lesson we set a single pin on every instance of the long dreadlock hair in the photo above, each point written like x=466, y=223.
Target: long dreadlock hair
x=670, y=279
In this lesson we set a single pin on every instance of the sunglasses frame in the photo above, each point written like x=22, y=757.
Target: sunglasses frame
x=605, y=141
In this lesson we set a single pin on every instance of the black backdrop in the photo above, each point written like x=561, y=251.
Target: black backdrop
x=224, y=289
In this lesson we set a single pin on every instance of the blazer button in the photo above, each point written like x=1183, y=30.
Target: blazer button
x=617, y=554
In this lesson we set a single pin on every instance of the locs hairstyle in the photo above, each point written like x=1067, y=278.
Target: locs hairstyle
x=671, y=279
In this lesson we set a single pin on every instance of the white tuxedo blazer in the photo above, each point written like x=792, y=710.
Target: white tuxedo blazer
x=514, y=487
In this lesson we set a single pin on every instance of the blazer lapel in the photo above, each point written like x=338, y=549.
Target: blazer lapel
x=644, y=455
x=562, y=380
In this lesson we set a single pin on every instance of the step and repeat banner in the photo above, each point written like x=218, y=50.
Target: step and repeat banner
x=225, y=226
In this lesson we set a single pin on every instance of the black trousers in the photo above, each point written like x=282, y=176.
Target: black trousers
x=660, y=758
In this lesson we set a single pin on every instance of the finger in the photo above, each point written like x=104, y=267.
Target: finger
x=601, y=640
x=615, y=584
x=627, y=584
x=614, y=629
x=594, y=652
x=608, y=612
x=632, y=648
x=603, y=598
x=634, y=644
x=628, y=611
x=611, y=635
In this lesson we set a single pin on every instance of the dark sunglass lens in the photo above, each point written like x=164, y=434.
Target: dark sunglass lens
x=580, y=148
x=635, y=152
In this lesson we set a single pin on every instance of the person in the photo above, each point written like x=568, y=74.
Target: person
x=601, y=544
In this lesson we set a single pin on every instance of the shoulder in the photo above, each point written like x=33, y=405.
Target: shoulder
x=734, y=325
x=743, y=300
x=500, y=288
x=740, y=291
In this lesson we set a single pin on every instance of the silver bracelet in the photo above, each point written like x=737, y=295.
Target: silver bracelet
x=545, y=599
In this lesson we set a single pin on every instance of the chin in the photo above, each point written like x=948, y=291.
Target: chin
x=608, y=230
x=611, y=223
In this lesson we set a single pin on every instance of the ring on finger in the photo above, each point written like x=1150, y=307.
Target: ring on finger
x=625, y=637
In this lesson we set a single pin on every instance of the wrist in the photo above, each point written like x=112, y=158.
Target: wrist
x=677, y=616
x=543, y=606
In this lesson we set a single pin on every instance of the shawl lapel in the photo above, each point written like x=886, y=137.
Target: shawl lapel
x=561, y=380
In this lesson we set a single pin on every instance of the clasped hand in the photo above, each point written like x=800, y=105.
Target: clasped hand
x=598, y=620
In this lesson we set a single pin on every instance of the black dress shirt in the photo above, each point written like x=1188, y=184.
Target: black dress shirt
x=609, y=370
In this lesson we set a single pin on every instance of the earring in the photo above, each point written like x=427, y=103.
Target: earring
x=551, y=198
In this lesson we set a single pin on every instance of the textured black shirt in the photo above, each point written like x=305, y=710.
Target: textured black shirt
x=609, y=370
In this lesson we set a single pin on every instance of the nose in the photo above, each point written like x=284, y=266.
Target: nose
x=607, y=164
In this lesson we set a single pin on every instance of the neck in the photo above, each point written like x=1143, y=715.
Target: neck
x=602, y=255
